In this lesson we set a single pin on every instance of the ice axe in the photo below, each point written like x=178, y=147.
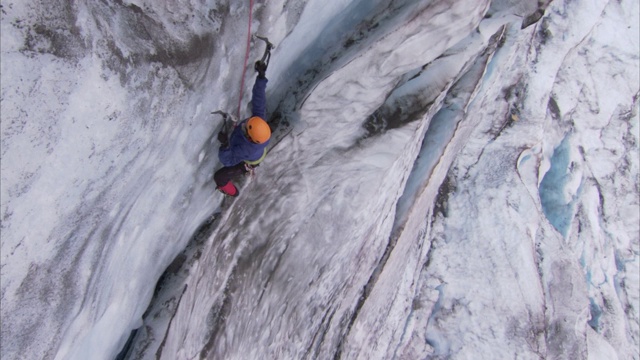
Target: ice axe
x=267, y=51
x=225, y=117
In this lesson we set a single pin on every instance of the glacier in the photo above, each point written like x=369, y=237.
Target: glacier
x=447, y=179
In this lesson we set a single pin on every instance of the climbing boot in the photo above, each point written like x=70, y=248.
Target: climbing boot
x=229, y=189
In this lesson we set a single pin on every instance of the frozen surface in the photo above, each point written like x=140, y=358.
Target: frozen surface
x=449, y=179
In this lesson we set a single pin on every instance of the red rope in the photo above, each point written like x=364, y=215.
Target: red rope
x=246, y=58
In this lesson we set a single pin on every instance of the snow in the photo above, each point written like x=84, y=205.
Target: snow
x=446, y=181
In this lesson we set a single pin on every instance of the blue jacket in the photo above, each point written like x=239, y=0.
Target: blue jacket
x=240, y=148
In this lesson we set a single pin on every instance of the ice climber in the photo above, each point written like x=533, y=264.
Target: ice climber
x=241, y=152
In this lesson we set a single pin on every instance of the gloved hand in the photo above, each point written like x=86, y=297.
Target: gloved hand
x=224, y=140
x=261, y=68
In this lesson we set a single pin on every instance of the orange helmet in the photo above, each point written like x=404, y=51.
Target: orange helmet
x=258, y=130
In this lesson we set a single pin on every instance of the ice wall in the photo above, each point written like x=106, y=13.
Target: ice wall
x=447, y=178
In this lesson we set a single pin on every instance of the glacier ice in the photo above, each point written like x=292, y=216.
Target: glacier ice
x=449, y=179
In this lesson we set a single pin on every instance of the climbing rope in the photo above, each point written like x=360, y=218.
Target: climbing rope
x=246, y=58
